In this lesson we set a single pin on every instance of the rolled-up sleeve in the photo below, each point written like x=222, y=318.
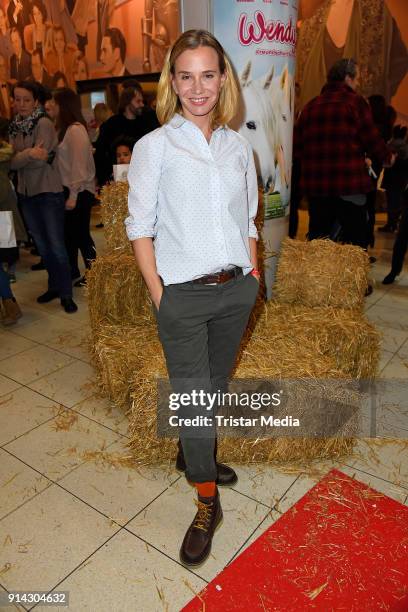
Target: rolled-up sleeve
x=252, y=186
x=144, y=179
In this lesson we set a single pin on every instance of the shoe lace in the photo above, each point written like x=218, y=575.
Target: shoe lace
x=203, y=516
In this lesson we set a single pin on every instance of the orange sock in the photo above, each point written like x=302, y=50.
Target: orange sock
x=205, y=489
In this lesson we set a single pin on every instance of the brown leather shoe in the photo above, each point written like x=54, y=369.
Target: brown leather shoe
x=197, y=542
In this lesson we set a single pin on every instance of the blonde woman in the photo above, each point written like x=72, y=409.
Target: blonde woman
x=192, y=202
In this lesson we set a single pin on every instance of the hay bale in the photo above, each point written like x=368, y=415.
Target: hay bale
x=114, y=202
x=117, y=293
x=315, y=331
x=287, y=341
x=343, y=335
x=117, y=355
x=321, y=273
x=282, y=346
x=147, y=448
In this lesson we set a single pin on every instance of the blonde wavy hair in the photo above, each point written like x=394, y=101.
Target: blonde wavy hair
x=167, y=100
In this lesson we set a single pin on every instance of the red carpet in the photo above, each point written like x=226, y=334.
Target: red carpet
x=342, y=548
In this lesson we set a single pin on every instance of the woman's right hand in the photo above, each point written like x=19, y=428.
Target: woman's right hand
x=156, y=298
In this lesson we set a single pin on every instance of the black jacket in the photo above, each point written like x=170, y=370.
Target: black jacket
x=110, y=130
x=396, y=177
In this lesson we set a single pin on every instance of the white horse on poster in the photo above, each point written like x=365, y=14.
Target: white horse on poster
x=283, y=101
x=268, y=106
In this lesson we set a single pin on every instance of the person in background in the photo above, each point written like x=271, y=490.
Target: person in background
x=393, y=191
x=20, y=62
x=401, y=244
x=49, y=107
x=391, y=117
x=132, y=119
x=396, y=180
x=123, y=147
x=334, y=133
x=44, y=94
x=129, y=83
x=8, y=201
x=31, y=243
x=39, y=190
x=102, y=112
x=122, y=150
x=11, y=312
x=379, y=112
x=381, y=116
x=77, y=169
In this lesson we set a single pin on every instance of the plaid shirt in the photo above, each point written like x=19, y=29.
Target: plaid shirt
x=334, y=133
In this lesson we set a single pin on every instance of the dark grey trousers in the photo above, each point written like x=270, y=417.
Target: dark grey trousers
x=200, y=328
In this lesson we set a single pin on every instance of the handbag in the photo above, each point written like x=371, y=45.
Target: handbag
x=7, y=232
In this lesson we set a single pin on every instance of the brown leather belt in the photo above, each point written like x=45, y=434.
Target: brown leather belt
x=219, y=277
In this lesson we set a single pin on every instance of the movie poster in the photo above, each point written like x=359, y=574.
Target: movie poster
x=260, y=38
x=59, y=42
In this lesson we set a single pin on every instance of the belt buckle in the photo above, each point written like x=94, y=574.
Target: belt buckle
x=215, y=279
x=222, y=276
x=227, y=275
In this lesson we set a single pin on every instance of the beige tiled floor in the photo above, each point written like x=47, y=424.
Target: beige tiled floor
x=110, y=535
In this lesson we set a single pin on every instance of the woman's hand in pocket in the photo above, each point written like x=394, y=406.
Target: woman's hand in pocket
x=157, y=298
